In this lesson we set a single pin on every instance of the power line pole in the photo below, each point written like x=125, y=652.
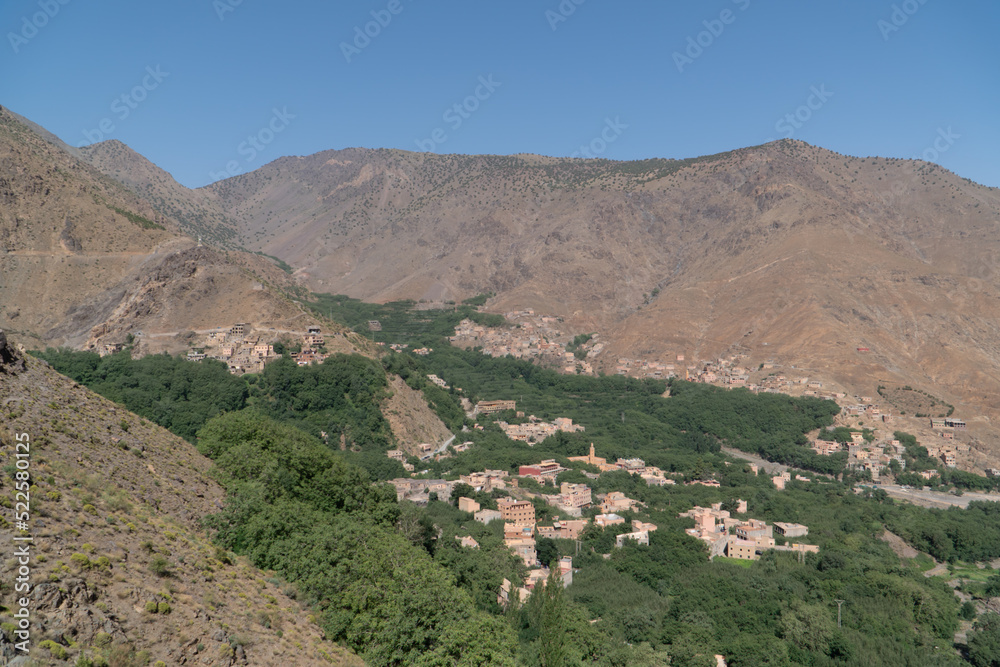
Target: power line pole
x=839, y=604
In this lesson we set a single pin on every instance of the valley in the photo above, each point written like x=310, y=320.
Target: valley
x=763, y=344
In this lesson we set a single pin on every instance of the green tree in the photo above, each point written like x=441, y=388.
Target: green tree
x=547, y=551
x=809, y=627
x=552, y=631
x=984, y=641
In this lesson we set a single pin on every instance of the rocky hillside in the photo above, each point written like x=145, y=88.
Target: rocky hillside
x=85, y=260
x=120, y=566
x=412, y=421
x=197, y=212
x=786, y=251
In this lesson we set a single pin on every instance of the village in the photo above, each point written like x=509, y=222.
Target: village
x=247, y=350
x=517, y=511
x=743, y=539
x=529, y=336
x=536, y=337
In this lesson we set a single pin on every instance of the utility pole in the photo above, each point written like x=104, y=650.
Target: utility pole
x=839, y=604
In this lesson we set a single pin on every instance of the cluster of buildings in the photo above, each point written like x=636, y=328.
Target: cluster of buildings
x=652, y=475
x=400, y=455
x=727, y=371
x=521, y=531
x=743, y=539
x=238, y=347
x=419, y=490
x=529, y=336
x=246, y=351
x=642, y=368
x=874, y=457
x=536, y=577
x=518, y=515
x=534, y=430
x=783, y=478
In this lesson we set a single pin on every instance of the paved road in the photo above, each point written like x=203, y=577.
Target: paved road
x=439, y=450
x=936, y=498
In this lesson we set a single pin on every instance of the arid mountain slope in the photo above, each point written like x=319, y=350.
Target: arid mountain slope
x=119, y=563
x=411, y=420
x=586, y=234
x=84, y=260
x=197, y=211
x=787, y=251
x=793, y=252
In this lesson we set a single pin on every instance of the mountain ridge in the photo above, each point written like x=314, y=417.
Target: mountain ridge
x=786, y=251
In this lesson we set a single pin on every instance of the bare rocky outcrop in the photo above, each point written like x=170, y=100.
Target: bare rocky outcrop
x=11, y=361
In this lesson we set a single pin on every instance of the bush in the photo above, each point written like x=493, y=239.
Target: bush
x=160, y=566
x=163, y=608
x=151, y=607
x=57, y=651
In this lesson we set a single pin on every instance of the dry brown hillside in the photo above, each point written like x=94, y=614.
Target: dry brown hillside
x=197, y=212
x=411, y=420
x=120, y=564
x=785, y=251
x=85, y=260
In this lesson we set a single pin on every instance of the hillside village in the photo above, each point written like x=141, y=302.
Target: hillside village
x=536, y=337
x=517, y=511
x=245, y=349
x=743, y=539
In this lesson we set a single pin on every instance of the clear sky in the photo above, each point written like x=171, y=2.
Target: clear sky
x=188, y=83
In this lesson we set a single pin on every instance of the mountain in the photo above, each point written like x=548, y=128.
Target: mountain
x=86, y=260
x=784, y=251
x=120, y=564
x=197, y=212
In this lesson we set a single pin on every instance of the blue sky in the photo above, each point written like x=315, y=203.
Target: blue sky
x=188, y=83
